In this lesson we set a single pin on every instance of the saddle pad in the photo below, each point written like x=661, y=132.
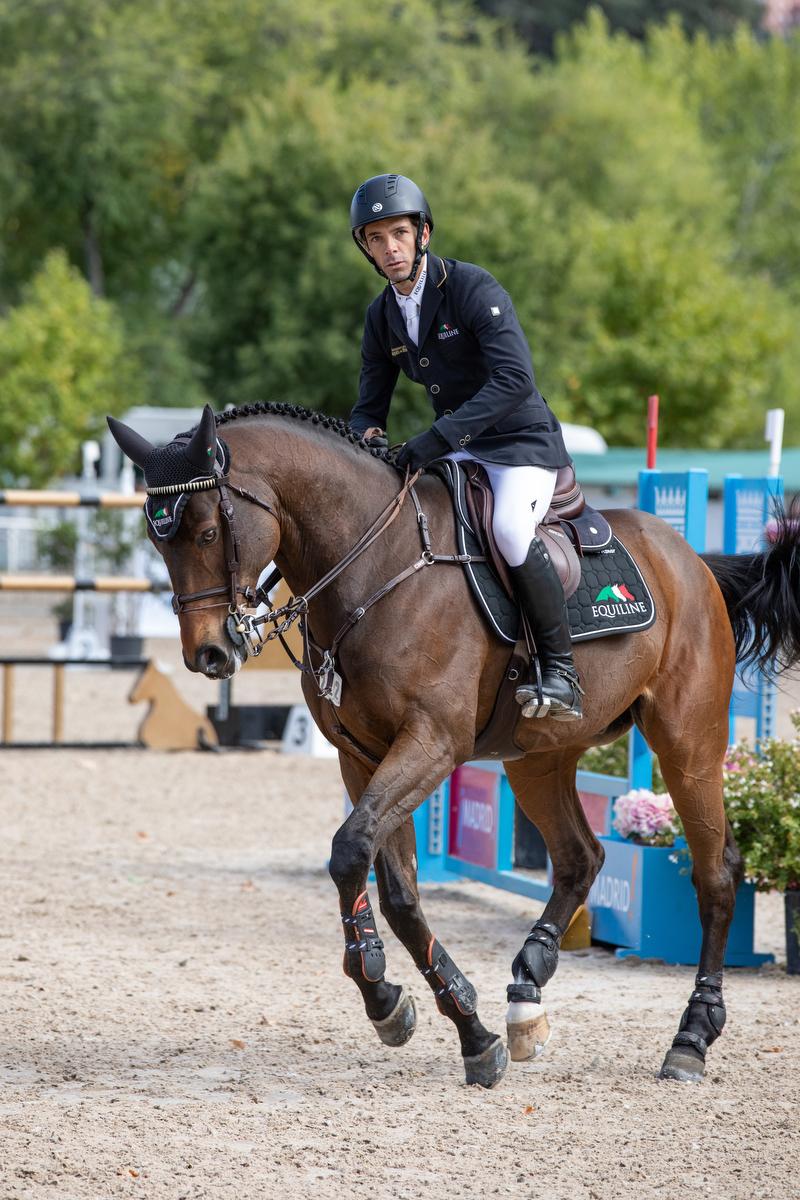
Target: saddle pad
x=612, y=596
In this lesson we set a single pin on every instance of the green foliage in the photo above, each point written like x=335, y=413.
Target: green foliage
x=56, y=546
x=762, y=800
x=63, y=365
x=540, y=22
x=613, y=760
x=640, y=199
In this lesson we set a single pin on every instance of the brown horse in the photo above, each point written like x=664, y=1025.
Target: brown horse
x=420, y=673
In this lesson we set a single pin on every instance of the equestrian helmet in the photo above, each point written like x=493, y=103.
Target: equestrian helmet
x=389, y=196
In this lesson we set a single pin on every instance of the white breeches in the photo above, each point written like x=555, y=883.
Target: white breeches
x=522, y=496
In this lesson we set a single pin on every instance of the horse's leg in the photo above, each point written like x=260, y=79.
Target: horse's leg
x=544, y=785
x=388, y=1006
x=692, y=770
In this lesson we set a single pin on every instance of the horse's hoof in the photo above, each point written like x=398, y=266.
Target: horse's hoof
x=397, y=1028
x=528, y=1037
x=684, y=1066
x=487, y=1069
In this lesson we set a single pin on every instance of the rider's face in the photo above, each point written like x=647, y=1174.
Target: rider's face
x=392, y=242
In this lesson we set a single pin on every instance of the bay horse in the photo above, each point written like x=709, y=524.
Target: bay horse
x=419, y=672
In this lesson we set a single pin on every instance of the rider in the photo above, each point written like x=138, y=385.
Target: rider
x=453, y=329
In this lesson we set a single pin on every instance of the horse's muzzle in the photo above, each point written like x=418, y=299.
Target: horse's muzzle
x=214, y=661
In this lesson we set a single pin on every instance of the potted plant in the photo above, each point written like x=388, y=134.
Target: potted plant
x=762, y=799
x=643, y=901
x=56, y=545
x=114, y=544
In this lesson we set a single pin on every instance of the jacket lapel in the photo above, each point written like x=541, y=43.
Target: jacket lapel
x=432, y=295
x=395, y=318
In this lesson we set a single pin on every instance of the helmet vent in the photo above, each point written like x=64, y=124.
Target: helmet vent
x=391, y=185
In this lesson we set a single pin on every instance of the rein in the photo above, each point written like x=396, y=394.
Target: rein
x=245, y=631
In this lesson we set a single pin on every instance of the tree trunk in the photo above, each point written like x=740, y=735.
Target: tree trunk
x=91, y=248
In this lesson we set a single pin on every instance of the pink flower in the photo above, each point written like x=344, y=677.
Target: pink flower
x=642, y=814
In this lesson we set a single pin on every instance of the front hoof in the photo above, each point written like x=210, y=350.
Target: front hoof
x=528, y=1031
x=397, y=1028
x=683, y=1065
x=487, y=1069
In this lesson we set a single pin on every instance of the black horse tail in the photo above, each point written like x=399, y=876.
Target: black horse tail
x=762, y=594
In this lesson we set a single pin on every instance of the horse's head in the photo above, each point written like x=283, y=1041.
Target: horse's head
x=214, y=537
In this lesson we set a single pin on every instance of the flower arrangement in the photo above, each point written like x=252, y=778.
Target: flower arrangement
x=646, y=817
x=762, y=800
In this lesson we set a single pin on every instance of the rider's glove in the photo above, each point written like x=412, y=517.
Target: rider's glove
x=421, y=450
x=378, y=441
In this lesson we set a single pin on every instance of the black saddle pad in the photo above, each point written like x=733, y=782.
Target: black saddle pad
x=612, y=596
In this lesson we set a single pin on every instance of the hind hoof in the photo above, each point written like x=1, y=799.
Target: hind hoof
x=487, y=1069
x=682, y=1065
x=528, y=1038
x=397, y=1028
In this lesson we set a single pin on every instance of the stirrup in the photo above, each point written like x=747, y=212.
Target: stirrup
x=536, y=702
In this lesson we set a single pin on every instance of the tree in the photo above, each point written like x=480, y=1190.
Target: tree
x=64, y=365
x=540, y=22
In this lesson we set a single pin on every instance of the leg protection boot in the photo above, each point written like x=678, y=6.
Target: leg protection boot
x=541, y=596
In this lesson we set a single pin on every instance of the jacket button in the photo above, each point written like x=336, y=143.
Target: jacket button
x=424, y=362
x=467, y=437
x=448, y=412
x=462, y=441
x=435, y=389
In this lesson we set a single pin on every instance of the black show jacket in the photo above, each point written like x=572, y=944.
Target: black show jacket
x=474, y=363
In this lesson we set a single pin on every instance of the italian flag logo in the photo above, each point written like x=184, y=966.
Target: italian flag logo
x=615, y=591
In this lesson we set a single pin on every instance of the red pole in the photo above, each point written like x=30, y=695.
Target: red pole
x=652, y=431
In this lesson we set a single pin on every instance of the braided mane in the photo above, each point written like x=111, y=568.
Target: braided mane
x=334, y=424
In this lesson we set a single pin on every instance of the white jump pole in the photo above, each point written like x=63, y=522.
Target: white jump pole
x=773, y=433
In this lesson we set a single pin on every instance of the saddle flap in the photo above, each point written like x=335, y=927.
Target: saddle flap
x=480, y=506
x=562, y=555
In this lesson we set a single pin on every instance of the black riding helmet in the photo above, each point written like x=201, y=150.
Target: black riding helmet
x=389, y=196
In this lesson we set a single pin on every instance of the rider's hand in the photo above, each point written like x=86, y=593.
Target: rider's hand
x=421, y=450
x=374, y=436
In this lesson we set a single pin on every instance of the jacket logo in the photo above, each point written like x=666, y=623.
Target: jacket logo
x=447, y=331
x=399, y=350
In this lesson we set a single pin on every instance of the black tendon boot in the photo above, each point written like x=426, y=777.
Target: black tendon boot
x=541, y=596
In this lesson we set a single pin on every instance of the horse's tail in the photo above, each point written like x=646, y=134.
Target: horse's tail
x=762, y=594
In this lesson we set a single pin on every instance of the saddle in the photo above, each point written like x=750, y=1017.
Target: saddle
x=592, y=565
x=569, y=529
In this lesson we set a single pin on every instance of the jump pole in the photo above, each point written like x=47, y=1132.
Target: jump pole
x=68, y=583
x=31, y=498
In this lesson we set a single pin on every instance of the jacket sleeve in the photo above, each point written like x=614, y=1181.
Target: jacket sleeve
x=490, y=317
x=376, y=382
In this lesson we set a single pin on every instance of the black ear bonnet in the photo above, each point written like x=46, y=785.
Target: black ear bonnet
x=192, y=462
x=171, y=477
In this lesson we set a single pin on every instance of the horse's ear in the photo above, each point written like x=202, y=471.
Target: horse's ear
x=202, y=449
x=130, y=442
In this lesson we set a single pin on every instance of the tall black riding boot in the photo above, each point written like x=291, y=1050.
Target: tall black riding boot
x=541, y=596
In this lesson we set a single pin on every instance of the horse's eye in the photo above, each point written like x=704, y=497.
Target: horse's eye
x=207, y=537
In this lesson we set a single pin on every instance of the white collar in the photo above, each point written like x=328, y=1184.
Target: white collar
x=419, y=286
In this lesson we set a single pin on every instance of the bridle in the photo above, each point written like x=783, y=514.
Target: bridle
x=246, y=631
x=230, y=541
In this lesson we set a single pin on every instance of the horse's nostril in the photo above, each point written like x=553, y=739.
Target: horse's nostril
x=211, y=659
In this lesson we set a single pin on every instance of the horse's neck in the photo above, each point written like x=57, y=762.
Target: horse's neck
x=328, y=494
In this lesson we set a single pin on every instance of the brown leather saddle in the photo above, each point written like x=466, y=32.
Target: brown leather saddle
x=560, y=528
